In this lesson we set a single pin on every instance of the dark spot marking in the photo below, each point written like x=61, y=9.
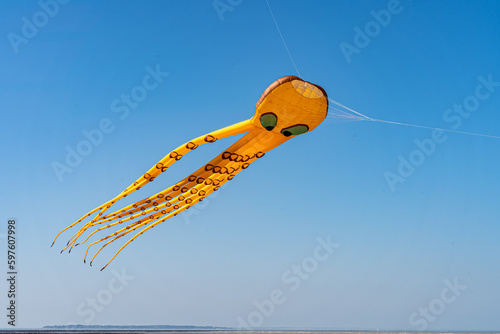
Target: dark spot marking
x=210, y=138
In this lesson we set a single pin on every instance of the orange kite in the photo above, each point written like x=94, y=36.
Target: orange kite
x=289, y=107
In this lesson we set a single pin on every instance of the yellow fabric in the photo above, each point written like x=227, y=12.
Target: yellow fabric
x=292, y=100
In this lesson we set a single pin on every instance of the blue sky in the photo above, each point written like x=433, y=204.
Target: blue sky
x=419, y=251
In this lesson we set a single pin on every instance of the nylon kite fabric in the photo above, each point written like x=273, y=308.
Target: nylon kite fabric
x=289, y=107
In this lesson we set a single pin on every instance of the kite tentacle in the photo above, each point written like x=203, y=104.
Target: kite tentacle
x=161, y=167
x=236, y=158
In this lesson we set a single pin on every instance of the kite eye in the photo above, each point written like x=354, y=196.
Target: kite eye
x=268, y=121
x=294, y=130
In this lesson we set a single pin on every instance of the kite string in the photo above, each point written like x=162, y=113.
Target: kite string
x=364, y=117
x=282, y=39
x=360, y=116
x=439, y=129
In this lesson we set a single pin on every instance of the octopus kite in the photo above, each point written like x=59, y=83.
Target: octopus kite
x=288, y=107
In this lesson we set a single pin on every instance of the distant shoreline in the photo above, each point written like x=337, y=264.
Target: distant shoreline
x=214, y=329
x=163, y=327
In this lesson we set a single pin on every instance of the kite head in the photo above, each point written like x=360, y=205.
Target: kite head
x=291, y=106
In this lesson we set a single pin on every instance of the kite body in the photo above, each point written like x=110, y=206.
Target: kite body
x=288, y=107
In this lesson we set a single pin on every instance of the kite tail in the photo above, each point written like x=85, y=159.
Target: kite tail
x=156, y=170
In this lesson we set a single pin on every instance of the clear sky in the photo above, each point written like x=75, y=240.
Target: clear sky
x=356, y=225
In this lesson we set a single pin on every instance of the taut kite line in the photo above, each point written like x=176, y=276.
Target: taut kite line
x=288, y=107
